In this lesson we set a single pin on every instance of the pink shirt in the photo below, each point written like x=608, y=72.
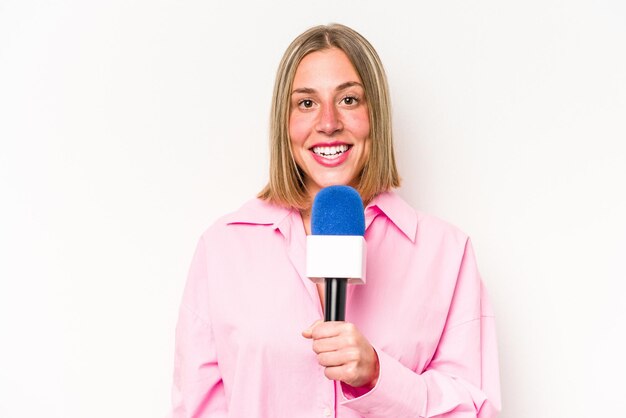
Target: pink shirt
x=239, y=349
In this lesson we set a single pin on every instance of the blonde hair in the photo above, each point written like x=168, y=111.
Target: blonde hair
x=286, y=185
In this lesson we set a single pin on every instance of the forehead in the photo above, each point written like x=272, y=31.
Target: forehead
x=325, y=68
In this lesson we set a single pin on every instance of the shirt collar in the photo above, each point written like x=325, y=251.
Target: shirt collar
x=389, y=204
x=259, y=212
x=392, y=206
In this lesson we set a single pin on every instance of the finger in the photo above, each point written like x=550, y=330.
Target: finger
x=338, y=342
x=346, y=373
x=329, y=329
x=349, y=374
x=333, y=372
x=326, y=344
x=308, y=333
x=337, y=358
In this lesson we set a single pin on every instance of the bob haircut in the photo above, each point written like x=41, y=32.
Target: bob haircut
x=286, y=186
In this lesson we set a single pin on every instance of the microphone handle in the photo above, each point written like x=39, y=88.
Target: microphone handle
x=335, y=309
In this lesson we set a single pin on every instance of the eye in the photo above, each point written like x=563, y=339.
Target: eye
x=306, y=103
x=350, y=100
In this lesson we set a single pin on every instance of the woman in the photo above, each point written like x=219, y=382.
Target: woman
x=419, y=337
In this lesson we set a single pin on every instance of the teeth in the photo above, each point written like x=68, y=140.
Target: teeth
x=330, y=152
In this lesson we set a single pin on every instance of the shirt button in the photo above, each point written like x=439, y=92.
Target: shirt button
x=327, y=412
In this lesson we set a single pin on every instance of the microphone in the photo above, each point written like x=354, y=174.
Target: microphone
x=335, y=250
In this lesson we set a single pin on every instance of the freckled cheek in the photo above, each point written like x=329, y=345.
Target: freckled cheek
x=365, y=130
x=298, y=130
x=360, y=126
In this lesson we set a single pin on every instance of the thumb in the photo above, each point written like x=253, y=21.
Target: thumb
x=308, y=333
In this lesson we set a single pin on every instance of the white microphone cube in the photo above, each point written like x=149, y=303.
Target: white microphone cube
x=336, y=256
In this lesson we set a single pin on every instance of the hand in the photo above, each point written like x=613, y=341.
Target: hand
x=344, y=352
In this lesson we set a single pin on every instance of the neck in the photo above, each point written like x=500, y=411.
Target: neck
x=305, y=214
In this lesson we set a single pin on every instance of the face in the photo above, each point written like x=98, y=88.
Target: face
x=328, y=121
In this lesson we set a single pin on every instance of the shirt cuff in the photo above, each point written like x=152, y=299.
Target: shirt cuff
x=398, y=392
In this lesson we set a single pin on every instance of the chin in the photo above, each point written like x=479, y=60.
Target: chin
x=335, y=182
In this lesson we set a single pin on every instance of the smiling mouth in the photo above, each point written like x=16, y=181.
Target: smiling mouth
x=332, y=152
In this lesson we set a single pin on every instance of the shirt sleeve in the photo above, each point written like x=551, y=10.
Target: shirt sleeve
x=198, y=390
x=461, y=380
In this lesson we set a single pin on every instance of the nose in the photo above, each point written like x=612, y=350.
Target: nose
x=329, y=121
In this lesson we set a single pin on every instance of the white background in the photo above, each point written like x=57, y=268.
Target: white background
x=127, y=127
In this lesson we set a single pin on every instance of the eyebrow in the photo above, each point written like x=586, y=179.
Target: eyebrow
x=342, y=86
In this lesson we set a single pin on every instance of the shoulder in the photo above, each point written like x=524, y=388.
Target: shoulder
x=420, y=227
x=441, y=244
x=433, y=228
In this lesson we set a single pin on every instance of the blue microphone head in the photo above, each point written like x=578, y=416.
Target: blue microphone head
x=337, y=210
